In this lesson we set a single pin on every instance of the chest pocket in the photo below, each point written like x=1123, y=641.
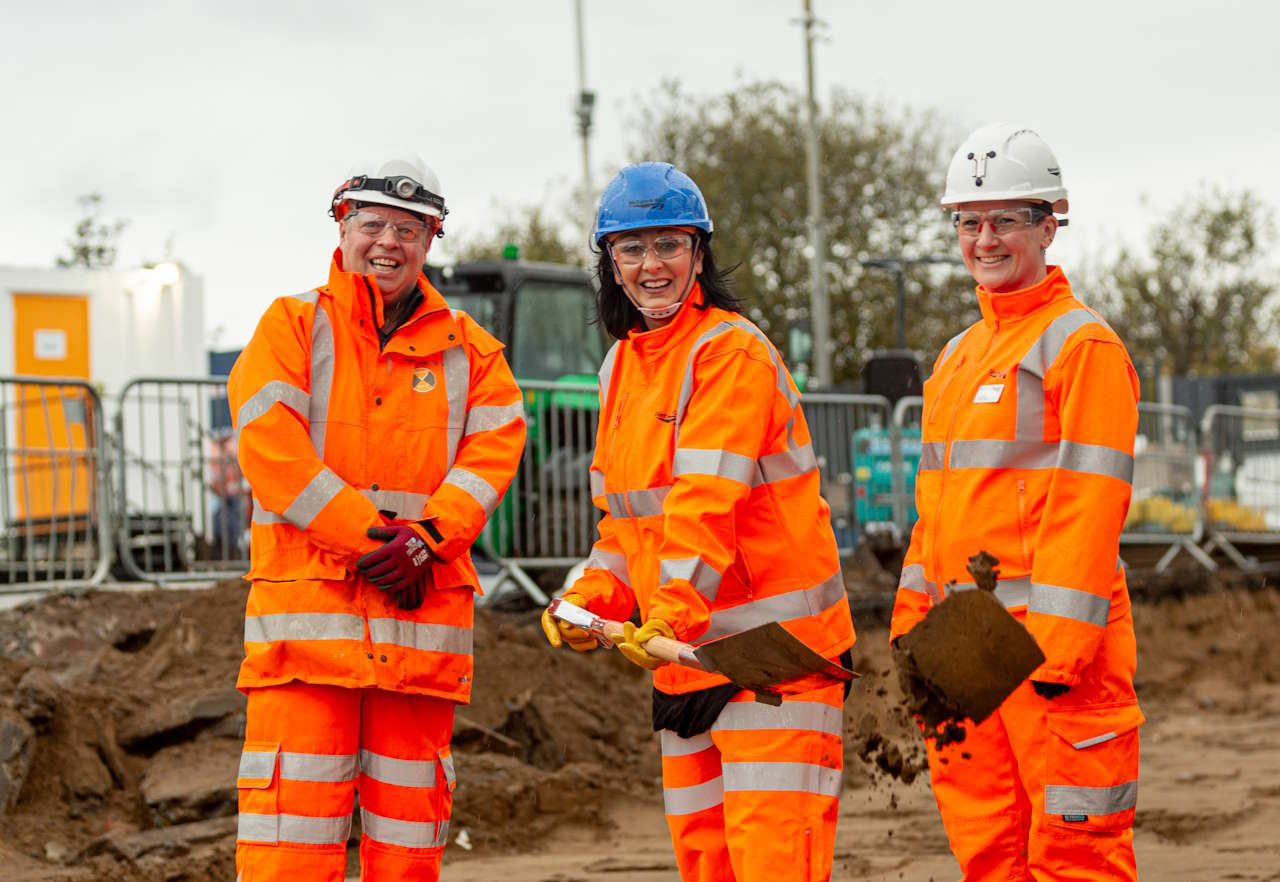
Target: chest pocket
x=424, y=394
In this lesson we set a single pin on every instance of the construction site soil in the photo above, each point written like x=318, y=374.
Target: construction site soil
x=120, y=734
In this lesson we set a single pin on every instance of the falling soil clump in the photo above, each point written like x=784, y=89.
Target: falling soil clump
x=965, y=657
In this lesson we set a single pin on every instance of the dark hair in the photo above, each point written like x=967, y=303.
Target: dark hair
x=619, y=315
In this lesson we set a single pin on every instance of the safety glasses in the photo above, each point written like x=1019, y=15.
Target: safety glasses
x=631, y=252
x=373, y=226
x=1003, y=221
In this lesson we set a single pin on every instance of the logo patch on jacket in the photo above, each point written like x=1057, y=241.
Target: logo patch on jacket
x=424, y=379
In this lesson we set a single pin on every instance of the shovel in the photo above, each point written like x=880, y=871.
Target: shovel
x=759, y=659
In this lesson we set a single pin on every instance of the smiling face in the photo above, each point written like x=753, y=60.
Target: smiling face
x=1009, y=262
x=394, y=263
x=655, y=282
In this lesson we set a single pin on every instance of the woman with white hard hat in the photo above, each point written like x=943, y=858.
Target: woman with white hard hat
x=1028, y=433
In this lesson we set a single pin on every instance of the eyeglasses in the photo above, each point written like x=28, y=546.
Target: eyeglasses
x=632, y=252
x=1003, y=221
x=373, y=226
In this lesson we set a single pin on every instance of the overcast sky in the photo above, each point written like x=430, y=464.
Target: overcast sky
x=226, y=125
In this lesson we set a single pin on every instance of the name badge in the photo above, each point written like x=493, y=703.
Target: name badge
x=989, y=394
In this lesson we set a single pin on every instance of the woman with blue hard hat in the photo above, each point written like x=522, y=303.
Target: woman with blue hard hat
x=712, y=524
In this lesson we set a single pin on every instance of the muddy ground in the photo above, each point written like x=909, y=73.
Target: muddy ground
x=120, y=733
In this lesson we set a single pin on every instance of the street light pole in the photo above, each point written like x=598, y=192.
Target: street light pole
x=819, y=308
x=897, y=264
x=583, y=111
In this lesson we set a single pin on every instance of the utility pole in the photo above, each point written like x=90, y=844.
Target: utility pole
x=819, y=308
x=897, y=264
x=583, y=110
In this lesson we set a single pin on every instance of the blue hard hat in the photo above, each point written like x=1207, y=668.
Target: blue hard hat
x=650, y=194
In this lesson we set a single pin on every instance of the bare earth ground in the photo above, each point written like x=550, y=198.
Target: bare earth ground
x=119, y=736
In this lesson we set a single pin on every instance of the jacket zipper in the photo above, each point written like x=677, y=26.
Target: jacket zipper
x=1022, y=521
x=613, y=437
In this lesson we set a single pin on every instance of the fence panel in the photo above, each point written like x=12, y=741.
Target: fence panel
x=851, y=440
x=182, y=507
x=53, y=500
x=1241, y=449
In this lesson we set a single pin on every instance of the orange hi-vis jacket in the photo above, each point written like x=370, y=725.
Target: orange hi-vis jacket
x=1028, y=432
x=337, y=435
x=706, y=474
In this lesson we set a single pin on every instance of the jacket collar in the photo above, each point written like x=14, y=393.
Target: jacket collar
x=658, y=342
x=358, y=297
x=1013, y=305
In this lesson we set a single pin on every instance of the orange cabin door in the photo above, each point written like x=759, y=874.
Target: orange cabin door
x=52, y=475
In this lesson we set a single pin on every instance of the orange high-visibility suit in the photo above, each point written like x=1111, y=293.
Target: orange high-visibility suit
x=713, y=523
x=337, y=434
x=1028, y=433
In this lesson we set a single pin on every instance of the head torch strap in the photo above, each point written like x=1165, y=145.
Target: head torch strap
x=401, y=187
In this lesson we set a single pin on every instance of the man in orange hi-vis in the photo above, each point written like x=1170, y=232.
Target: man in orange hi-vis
x=712, y=524
x=378, y=430
x=1028, y=432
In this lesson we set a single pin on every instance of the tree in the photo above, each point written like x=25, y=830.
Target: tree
x=95, y=242
x=882, y=171
x=531, y=231
x=1202, y=301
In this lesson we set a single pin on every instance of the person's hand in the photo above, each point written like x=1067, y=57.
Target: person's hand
x=1049, y=690
x=558, y=633
x=634, y=639
x=412, y=597
x=403, y=561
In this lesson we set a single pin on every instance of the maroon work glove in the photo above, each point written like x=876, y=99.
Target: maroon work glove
x=1049, y=690
x=401, y=565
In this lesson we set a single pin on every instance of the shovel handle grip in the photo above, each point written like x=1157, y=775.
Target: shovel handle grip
x=665, y=648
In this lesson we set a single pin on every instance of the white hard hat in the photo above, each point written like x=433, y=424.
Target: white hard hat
x=402, y=182
x=1005, y=161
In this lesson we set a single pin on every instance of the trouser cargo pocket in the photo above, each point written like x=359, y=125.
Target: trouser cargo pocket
x=1091, y=781
x=259, y=788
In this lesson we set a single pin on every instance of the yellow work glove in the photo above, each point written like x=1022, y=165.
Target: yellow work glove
x=559, y=633
x=634, y=639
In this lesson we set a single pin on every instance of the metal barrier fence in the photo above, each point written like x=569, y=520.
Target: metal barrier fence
x=1241, y=486
x=53, y=506
x=1165, y=508
x=182, y=505
x=846, y=430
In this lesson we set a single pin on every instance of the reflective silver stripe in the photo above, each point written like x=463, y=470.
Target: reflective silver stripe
x=952, y=343
x=913, y=579
x=931, y=455
x=321, y=378
x=424, y=636
x=1097, y=739
x=306, y=296
x=271, y=394
x=488, y=417
x=293, y=828
x=446, y=763
x=1036, y=363
x=696, y=798
x=401, y=772
x=719, y=463
x=674, y=745
x=1095, y=459
x=257, y=764
x=810, y=715
x=474, y=486
x=406, y=834
x=317, y=767
x=457, y=384
x=646, y=503
x=1010, y=592
x=1003, y=455
x=1062, y=800
x=308, y=504
x=303, y=626
x=790, y=777
x=617, y=505
x=612, y=561
x=787, y=464
x=597, y=484
x=779, y=608
x=704, y=577
x=1070, y=603
x=262, y=516
x=402, y=503
x=606, y=372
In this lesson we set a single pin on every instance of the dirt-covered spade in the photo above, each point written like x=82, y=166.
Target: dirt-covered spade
x=965, y=657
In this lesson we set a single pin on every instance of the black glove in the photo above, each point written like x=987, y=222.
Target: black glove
x=401, y=565
x=1049, y=690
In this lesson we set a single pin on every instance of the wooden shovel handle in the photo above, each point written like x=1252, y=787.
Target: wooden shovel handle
x=665, y=648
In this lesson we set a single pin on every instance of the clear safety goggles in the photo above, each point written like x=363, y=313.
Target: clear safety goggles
x=374, y=225
x=632, y=252
x=1003, y=220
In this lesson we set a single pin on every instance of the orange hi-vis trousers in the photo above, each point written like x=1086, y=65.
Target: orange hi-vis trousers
x=308, y=748
x=1044, y=789
x=755, y=799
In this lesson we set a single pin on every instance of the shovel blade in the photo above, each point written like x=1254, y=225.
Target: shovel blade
x=763, y=657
